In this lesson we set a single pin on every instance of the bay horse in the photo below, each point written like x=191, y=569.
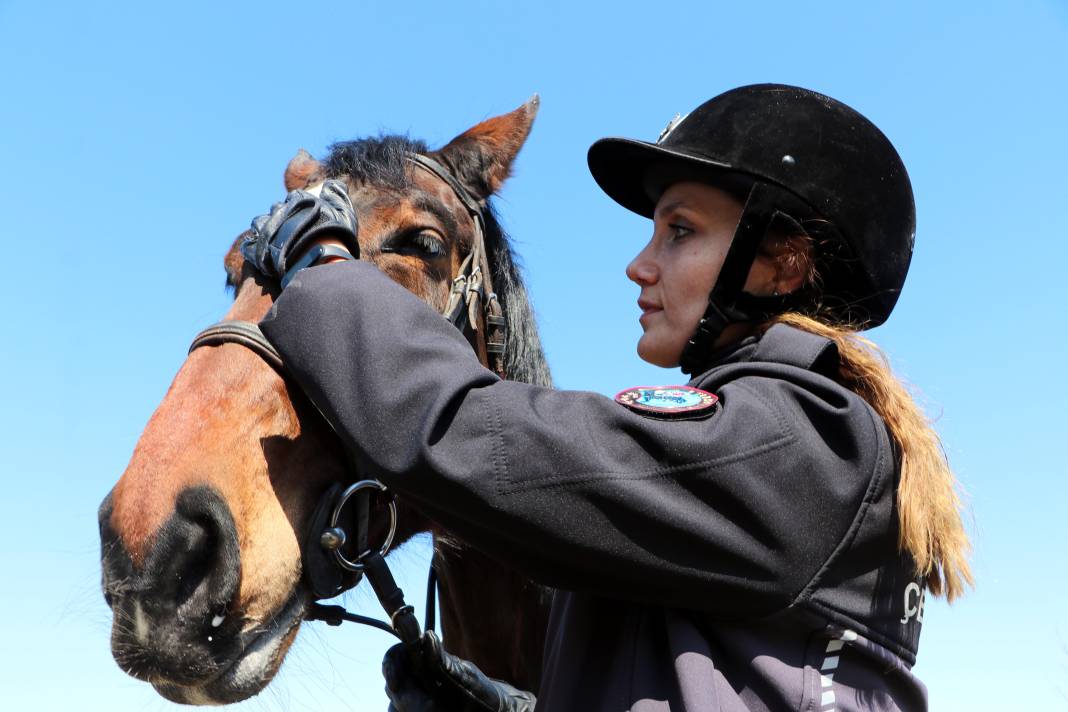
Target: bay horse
x=201, y=536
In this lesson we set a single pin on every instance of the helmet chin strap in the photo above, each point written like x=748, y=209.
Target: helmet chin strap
x=728, y=303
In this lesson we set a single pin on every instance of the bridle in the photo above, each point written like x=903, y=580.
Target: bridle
x=472, y=306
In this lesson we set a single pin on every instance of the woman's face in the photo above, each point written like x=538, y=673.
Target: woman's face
x=692, y=229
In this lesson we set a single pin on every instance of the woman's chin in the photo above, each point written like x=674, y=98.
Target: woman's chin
x=653, y=350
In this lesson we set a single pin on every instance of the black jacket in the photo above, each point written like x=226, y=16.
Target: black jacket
x=744, y=560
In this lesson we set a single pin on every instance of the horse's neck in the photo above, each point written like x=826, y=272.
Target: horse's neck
x=491, y=615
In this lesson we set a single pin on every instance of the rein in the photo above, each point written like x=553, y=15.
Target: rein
x=328, y=572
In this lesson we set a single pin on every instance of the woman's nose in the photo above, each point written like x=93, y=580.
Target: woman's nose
x=642, y=269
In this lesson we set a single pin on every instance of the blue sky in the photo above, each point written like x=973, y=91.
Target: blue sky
x=137, y=139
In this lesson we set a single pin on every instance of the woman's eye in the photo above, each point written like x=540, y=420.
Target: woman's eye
x=424, y=243
x=677, y=232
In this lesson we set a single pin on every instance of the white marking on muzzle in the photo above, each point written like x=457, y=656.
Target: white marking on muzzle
x=141, y=626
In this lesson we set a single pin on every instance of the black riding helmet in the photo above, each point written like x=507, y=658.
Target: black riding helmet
x=788, y=153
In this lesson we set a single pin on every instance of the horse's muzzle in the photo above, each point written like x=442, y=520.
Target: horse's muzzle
x=171, y=614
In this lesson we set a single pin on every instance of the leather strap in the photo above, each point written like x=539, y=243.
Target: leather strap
x=245, y=333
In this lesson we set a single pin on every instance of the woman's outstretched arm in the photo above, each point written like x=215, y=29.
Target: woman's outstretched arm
x=736, y=512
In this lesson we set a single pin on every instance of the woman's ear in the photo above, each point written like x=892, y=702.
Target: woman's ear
x=790, y=275
x=783, y=265
x=795, y=264
x=481, y=157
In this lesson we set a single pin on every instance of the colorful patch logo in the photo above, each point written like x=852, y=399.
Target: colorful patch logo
x=668, y=401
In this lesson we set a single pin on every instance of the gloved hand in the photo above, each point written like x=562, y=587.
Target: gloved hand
x=293, y=225
x=423, y=677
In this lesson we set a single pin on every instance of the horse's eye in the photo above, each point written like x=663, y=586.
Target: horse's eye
x=425, y=243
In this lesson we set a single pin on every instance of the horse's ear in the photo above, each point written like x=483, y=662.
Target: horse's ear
x=234, y=261
x=481, y=157
x=302, y=171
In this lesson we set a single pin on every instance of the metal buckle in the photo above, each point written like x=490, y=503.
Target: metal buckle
x=335, y=537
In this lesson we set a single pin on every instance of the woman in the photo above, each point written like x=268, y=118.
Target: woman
x=758, y=539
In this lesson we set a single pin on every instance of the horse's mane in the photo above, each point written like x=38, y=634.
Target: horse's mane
x=524, y=356
x=381, y=161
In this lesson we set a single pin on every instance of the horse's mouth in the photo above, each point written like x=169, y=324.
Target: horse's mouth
x=252, y=668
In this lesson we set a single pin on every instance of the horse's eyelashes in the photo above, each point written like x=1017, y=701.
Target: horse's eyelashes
x=419, y=242
x=429, y=242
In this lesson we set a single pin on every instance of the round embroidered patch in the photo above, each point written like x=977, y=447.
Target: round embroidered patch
x=668, y=401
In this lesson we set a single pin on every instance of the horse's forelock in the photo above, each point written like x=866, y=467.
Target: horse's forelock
x=377, y=161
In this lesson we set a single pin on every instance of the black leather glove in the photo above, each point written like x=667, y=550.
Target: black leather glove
x=294, y=224
x=423, y=677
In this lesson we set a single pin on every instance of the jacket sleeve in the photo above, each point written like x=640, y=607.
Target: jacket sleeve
x=735, y=512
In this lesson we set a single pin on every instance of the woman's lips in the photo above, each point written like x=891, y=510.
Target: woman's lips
x=648, y=305
x=648, y=309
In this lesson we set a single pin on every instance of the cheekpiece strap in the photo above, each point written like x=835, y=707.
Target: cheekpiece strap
x=473, y=286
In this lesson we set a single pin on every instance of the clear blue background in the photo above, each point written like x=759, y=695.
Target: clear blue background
x=137, y=139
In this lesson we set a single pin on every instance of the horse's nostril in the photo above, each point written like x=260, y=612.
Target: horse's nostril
x=195, y=562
